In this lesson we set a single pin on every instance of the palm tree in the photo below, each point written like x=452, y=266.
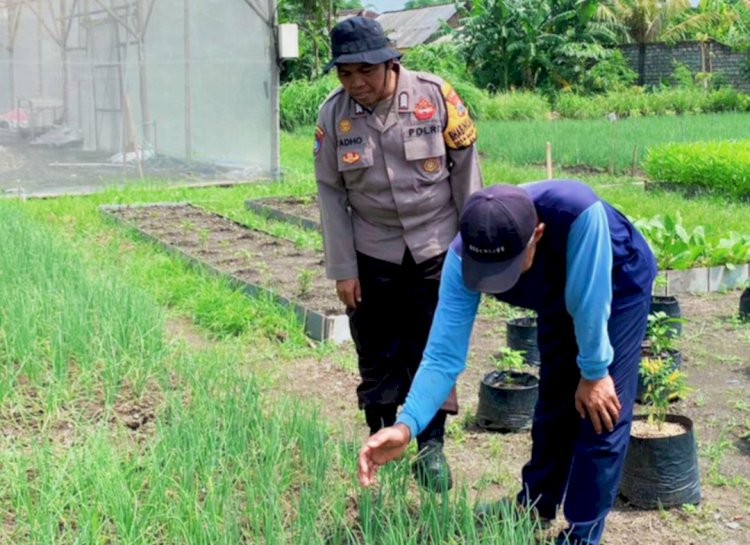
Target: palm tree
x=647, y=21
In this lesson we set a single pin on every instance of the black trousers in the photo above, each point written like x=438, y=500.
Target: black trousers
x=390, y=327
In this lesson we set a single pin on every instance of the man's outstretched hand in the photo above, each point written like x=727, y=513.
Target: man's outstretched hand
x=384, y=446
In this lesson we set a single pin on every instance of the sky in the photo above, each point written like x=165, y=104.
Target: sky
x=381, y=6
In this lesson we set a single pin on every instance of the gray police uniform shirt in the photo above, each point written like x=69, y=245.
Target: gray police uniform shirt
x=383, y=187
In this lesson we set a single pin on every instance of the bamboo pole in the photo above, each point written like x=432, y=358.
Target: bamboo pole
x=141, y=19
x=548, y=154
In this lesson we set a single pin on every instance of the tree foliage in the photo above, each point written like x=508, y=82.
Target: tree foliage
x=315, y=19
x=527, y=43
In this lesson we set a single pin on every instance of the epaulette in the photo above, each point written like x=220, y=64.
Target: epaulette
x=332, y=94
x=430, y=78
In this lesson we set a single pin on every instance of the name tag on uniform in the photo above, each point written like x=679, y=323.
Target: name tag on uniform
x=424, y=131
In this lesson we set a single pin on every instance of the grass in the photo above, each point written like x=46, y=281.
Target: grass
x=717, y=214
x=219, y=464
x=56, y=320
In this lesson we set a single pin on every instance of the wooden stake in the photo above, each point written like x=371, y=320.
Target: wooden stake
x=632, y=164
x=549, y=160
x=132, y=137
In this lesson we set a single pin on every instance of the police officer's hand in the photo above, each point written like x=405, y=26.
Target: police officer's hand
x=384, y=446
x=599, y=399
x=349, y=292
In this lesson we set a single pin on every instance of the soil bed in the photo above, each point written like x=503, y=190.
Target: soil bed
x=248, y=255
x=302, y=211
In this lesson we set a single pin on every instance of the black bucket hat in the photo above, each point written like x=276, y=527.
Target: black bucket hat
x=360, y=40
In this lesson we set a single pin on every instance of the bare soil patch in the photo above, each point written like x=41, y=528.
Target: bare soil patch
x=242, y=253
x=302, y=210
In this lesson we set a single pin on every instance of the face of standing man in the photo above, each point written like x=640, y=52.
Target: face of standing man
x=368, y=84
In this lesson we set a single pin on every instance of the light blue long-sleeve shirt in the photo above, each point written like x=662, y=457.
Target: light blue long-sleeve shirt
x=588, y=298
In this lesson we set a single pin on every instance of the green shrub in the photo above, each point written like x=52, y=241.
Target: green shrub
x=725, y=99
x=440, y=59
x=516, y=106
x=574, y=106
x=474, y=98
x=613, y=72
x=299, y=101
x=635, y=102
x=715, y=167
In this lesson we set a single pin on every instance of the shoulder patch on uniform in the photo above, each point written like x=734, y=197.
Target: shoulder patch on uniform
x=460, y=131
x=318, y=143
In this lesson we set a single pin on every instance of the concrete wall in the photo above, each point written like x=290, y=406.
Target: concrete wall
x=660, y=58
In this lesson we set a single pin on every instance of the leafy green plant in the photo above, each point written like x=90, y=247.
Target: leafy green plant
x=442, y=59
x=300, y=99
x=662, y=384
x=673, y=246
x=516, y=106
x=715, y=166
x=611, y=73
x=509, y=359
x=660, y=333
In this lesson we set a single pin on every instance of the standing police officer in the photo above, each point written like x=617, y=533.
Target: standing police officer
x=556, y=248
x=394, y=162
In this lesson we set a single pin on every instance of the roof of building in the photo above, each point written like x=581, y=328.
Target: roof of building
x=411, y=27
x=346, y=13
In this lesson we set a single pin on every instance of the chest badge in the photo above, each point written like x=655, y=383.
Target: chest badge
x=424, y=109
x=403, y=101
x=431, y=165
x=345, y=126
x=351, y=157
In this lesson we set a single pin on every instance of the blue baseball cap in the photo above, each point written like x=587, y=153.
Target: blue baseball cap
x=359, y=40
x=497, y=224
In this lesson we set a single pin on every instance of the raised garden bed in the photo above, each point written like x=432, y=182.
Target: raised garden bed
x=701, y=280
x=302, y=211
x=254, y=261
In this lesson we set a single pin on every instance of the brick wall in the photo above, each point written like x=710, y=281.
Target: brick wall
x=660, y=58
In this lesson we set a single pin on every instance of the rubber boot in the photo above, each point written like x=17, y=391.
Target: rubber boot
x=431, y=468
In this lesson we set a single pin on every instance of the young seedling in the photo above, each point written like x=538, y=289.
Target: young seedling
x=509, y=360
x=203, y=234
x=304, y=280
x=660, y=333
x=663, y=384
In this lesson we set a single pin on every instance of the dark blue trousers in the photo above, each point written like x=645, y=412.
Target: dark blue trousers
x=569, y=459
